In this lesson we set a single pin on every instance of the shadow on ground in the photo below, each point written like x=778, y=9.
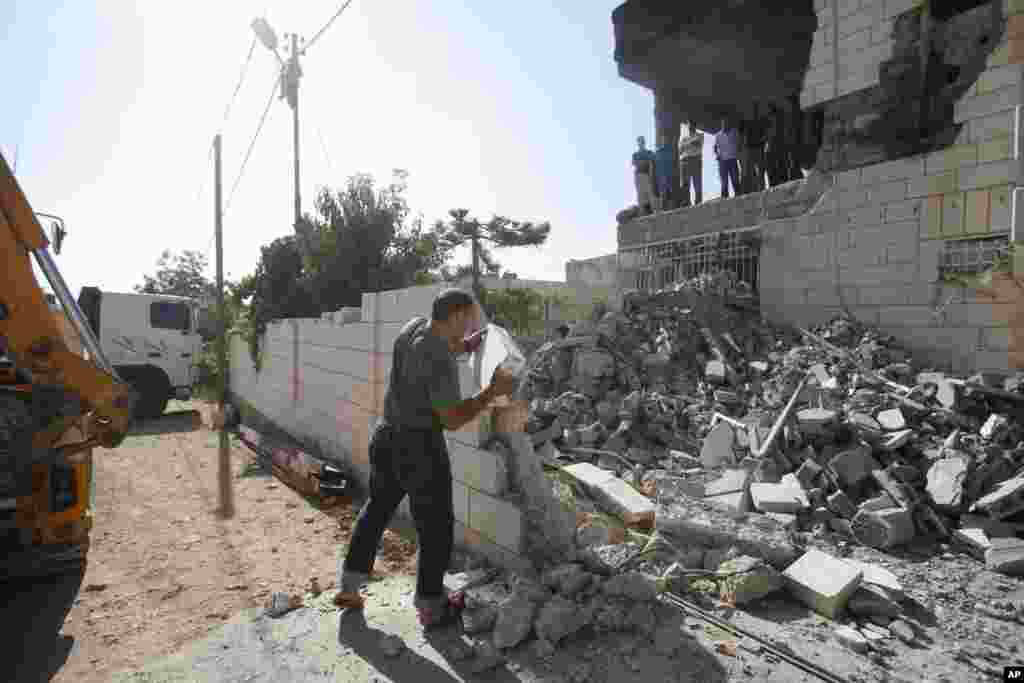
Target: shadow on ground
x=169, y=423
x=33, y=612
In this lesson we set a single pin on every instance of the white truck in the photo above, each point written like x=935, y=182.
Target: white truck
x=152, y=340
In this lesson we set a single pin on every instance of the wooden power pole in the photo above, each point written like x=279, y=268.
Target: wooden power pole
x=226, y=494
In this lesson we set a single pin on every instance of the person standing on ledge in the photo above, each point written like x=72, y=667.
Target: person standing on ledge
x=643, y=176
x=409, y=455
x=691, y=149
x=727, y=143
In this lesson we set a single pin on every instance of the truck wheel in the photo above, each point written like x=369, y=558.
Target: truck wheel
x=156, y=393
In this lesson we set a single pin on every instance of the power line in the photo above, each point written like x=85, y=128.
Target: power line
x=241, y=79
x=252, y=143
x=323, y=146
x=326, y=26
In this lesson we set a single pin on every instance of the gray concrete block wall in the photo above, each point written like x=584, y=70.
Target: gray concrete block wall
x=323, y=382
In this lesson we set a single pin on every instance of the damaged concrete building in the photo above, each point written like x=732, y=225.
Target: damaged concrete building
x=907, y=119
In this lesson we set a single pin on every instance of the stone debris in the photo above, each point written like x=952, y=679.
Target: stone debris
x=851, y=638
x=514, y=622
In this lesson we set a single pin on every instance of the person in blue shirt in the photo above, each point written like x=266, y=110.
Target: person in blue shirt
x=665, y=173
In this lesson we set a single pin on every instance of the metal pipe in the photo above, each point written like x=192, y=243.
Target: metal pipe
x=72, y=310
x=777, y=427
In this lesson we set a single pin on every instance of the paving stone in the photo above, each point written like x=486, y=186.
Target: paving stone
x=854, y=465
x=717, y=449
x=946, y=478
x=822, y=582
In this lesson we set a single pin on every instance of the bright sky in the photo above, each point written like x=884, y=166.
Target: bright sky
x=496, y=107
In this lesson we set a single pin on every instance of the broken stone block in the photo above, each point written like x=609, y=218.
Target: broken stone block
x=854, y=465
x=822, y=582
x=883, y=529
x=891, y=420
x=515, y=619
x=863, y=421
x=903, y=631
x=994, y=427
x=785, y=520
x=975, y=540
x=897, y=440
x=557, y=619
x=683, y=460
x=879, y=502
x=1006, y=556
x=841, y=504
x=869, y=600
x=780, y=497
x=946, y=478
x=946, y=390
x=717, y=447
x=714, y=372
x=751, y=579
x=636, y=586
x=737, y=500
x=612, y=494
x=878, y=576
x=731, y=481
x=808, y=473
x=816, y=421
x=851, y=638
x=1006, y=500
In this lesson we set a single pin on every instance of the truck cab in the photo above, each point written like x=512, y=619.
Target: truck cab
x=152, y=340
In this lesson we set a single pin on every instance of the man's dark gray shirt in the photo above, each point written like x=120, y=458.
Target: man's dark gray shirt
x=424, y=377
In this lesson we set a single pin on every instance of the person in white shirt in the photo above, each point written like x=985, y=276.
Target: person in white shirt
x=691, y=152
x=727, y=142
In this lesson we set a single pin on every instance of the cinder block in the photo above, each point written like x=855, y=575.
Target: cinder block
x=1002, y=55
x=822, y=582
x=482, y=470
x=613, y=493
x=997, y=339
x=780, y=498
x=1000, y=124
x=1000, y=209
x=931, y=223
x=998, y=77
x=1004, y=98
x=858, y=21
x=977, y=215
x=501, y=521
x=891, y=191
x=902, y=210
x=909, y=167
x=460, y=501
x=951, y=158
x=987, y=175
x=953, y=215
x=845, y=8
x=469, y=539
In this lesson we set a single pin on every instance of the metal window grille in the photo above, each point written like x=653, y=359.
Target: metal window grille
x=972, y=256
x=660, y=265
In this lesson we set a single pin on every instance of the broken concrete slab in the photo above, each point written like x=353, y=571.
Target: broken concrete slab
x=731, y=481
x=974, y=540
x=816, y=421
x=878, y=576
x=612, y=494
x=738, y=501
x=782, y=497
x=946, y=478
x=717, y=449
x=1006, y=556
x=994, y=426
x=1006, y=500
x=822, y=582
x=853, y=465
x=695, y=522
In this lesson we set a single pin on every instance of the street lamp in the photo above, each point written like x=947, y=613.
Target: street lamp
x=290, y=74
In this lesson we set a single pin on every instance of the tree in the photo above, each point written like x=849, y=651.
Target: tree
x=521, y=309
x=279, y=289
x=179, y=275
x=499, y=231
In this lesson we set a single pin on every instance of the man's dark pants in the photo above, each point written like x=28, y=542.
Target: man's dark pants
x=414, y=463
x=729, y=170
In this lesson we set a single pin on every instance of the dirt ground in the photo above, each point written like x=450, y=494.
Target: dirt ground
x=164, y=570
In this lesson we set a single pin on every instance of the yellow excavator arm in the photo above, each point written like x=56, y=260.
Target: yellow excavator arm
x=32, y=339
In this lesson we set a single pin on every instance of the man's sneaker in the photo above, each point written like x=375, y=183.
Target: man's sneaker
x=449, y=613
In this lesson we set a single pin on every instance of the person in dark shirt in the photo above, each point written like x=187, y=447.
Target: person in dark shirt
x=409, y=455
x=665, y=173
x=643, y=176
x=753, y=154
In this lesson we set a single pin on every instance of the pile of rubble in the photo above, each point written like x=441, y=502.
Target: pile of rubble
x=688, y=404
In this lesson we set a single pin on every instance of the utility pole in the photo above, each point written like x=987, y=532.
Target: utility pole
x=292, y=85
x=227, y=503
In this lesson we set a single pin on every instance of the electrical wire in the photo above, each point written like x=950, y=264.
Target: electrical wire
x=323, y=146
x=248, y=153
x=241, y=79
x=326, y=26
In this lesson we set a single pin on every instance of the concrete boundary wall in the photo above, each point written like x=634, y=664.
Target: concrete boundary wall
x=323, y=382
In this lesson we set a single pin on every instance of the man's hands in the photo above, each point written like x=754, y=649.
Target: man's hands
x=503, y=383
x=471, y=343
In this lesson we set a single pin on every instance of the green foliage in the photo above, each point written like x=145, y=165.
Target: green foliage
x=499, y=231
x=179, y=275
x=521, y=309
